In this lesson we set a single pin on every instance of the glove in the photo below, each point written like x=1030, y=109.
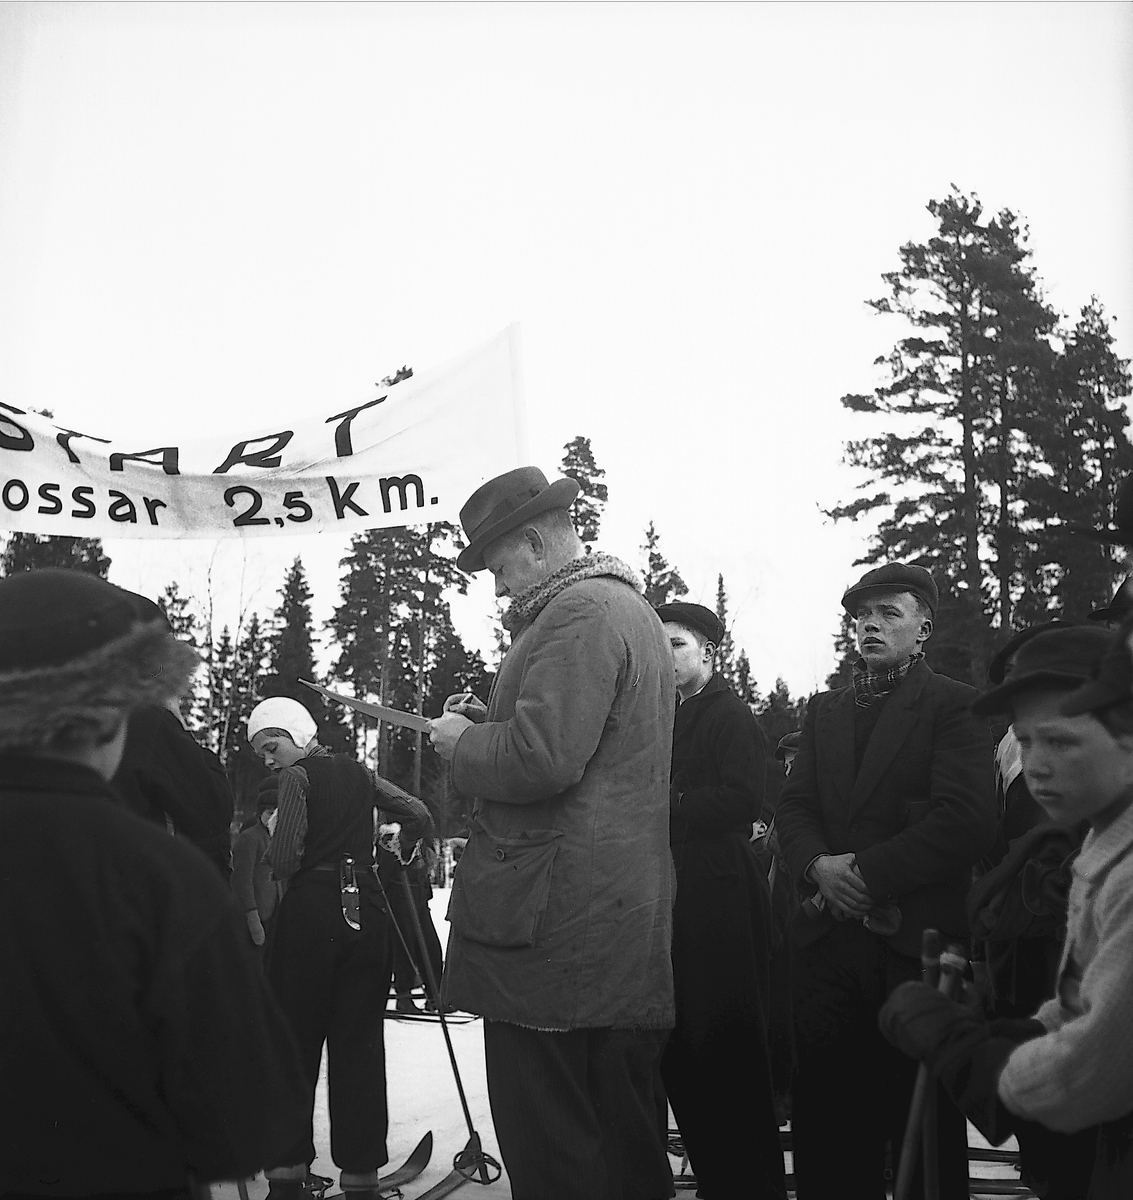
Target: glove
x=255, y=927
x=958, y=1047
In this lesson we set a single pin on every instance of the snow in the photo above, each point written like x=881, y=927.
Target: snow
x=422, y=1095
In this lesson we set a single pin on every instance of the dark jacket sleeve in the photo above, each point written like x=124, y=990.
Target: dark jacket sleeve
x=959, y=819
x=229, y=1068
x=165, y=771
x=798, y=818
x=246, y=854
x=735, y=756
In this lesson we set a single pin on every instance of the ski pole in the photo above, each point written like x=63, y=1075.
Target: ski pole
x=472, y=1161
x=930, y=968
x=952, y=965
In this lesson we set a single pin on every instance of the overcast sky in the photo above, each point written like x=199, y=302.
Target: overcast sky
x=226, y=216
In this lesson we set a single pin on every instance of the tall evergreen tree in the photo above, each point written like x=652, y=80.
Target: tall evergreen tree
x=31, y=551
x=983, y=366
x=579, y=465
x=663, y=583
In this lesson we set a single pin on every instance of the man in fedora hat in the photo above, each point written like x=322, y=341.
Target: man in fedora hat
x=888, y=806
x=561, y=910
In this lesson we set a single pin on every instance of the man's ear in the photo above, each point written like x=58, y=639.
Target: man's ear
x=926, y=630
x=535, y=540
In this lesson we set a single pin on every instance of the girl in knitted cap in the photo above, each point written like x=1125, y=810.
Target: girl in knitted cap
x=330, y=956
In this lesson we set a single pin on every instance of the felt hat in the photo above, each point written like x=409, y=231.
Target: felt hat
x=1119, y=607
x=73, y=653
x=788, y=744
x=894, y=577
x=1120, y=533
x=1065, y=657
x=1112, y=680
x=503, y=504
x=695, y=617
x=281, y=712
x=997, y=668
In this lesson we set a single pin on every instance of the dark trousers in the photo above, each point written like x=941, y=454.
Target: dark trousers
x=575, y=1114
x=852, y=1089
x=715, y=1067
x=331, y=982
x=408, y=967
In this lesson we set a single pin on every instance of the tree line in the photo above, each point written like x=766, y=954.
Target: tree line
x=1005, y=428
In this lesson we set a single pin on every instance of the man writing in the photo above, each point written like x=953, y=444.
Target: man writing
x=888, y=805
x=561, y=909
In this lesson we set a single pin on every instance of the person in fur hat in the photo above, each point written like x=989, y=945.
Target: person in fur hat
x=140, y=1050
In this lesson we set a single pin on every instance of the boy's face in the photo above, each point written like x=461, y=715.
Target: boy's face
x=277, y=750
x=1073, y=766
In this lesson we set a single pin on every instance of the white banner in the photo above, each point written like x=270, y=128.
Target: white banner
x=413, y=453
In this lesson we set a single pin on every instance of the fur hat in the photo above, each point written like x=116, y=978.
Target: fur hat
x=281, y=712
x=73, y=652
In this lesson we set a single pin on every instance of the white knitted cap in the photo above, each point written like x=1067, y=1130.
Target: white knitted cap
x=281, y=712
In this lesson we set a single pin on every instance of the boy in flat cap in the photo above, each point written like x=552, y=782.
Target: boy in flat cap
x=561, y=911
x=1064, y=1080
x=140, y=1051
x=889, y=805
x=715, y=1066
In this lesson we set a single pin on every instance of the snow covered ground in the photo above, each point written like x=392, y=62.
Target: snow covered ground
x=423, y=1096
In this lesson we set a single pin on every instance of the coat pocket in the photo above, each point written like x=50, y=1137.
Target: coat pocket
x=500, y=890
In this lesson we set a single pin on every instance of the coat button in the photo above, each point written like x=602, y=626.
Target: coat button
x=854, y=827
x=500, y=855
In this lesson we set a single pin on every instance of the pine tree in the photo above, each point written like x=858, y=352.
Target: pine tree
x=972, y=500
x=579, y=465
x=725, y=652
x=663, y=583
x=32, y=551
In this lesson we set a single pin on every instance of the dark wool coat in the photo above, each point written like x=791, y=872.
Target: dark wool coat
x=715, y=1068
x=918, y=814
x=138, y=1039
x=165, y=774
x=561, y=907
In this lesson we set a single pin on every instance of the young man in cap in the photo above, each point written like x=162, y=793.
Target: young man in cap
x=1064, y=1080
x=888, y=806
x=561, y=910
x=330, y=962
x=715, y=1067
x=140, y=1051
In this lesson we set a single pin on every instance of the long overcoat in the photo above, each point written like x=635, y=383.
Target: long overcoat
x=561, y=908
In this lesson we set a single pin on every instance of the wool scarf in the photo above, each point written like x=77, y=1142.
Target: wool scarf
x=527, y=605
x=868, y=685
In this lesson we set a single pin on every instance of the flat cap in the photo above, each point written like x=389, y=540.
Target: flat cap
x=1112, y=680
x=1119, y=607
x=997, y=668
x=894, y=577
x=694, y=616
x=1064, y=658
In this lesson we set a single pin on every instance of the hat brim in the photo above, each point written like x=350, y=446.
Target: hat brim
x=850, y=598
x=997, y=699
x=1090, y=697
x=560, y=494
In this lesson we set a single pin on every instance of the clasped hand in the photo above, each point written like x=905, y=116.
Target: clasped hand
x=459, y=712
x=840, y=881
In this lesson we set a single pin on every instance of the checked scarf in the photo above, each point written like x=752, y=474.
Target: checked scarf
x=526, y=606
x=868, y=685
